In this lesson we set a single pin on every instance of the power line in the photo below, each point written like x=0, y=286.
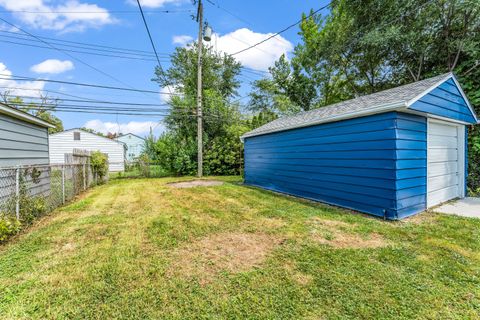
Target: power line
x=78, y=51
x=22, y=78
x=229, y=12
x=90, y=12
x=88, y=44
x=68, y=54
x=103, y=48
x=91, y=108
x=56, y=92
x=83, y=46
x=111, y=113
x=152, y=43
x=281, y=31
x=217, y=5
x=96, y=101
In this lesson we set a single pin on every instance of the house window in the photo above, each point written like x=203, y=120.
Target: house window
x=76, y=136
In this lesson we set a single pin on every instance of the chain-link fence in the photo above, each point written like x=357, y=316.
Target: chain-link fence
x=140, y=169
x=30, y=191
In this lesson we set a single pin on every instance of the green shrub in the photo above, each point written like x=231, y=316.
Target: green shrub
x=32, y=208
x=144, y=165
x=99, y=164
x=224, y=155
x=474, y=161
x=8, y=227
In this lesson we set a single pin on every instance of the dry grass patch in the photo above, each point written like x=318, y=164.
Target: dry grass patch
x=231, y=252
x=425, y=217
x=296, y=275
x=195, y=183
x=340, y=235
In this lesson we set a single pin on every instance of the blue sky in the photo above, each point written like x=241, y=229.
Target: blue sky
x=118, y=24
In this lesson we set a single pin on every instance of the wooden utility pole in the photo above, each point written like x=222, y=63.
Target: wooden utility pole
x=199, y=90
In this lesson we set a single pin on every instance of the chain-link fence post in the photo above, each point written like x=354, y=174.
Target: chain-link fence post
x=84, y=179
x=17, y=193
x=63, y=184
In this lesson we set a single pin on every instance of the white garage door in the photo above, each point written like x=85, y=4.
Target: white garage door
x=445, y=169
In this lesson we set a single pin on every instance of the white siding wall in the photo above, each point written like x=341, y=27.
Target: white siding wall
x=61, y=143
x=135, y=145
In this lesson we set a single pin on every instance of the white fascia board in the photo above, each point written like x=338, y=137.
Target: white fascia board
x=465, y=97
x=424, y=93
x=356, y=114
x=17, y=114
x=459, y=87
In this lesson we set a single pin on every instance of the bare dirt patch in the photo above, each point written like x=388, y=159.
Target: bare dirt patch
x=195, y=183
x=340, y=235
x=231, y=252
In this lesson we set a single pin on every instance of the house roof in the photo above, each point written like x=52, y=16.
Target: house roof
x=131, y=134
x=388, y=100
x=24, y=116
x=95, y=134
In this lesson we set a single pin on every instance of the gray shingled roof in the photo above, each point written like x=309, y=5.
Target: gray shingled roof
x=395, y=97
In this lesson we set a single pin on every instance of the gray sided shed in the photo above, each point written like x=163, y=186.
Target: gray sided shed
x=391, y=154
x=23, y=138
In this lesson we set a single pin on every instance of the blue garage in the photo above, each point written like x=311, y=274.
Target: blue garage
x=391, y=154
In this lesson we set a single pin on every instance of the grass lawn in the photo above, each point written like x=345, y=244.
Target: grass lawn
x=139, y=249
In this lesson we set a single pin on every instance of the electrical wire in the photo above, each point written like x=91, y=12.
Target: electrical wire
x=83, y=47
x=4, y=76
x=78, y=51
x=152, y=43
x=281, y=31
x=94, y=45
x=68, y=54
x=96, y=101
x=90, y=12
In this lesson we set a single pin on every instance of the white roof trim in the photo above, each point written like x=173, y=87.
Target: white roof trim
x=364, y=112
x=433, y=87
x=465, y=97
x=17, y=114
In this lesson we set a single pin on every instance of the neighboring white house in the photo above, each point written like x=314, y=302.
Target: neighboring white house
x=64, y=142
x=135, y=145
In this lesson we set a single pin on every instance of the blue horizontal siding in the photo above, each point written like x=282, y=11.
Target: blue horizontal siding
x=447, y=101
x=349, y=163
x=411, y=182
x=381, y=171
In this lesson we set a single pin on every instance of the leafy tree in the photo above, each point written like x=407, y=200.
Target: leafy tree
x=92, y=131
x=261, y=118
x=287, y=91
x=365, y=46
x=43, y=110
x=177, y=148
x=99, y=163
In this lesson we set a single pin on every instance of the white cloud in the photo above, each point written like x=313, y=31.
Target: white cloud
x=53, y=66
x=156, y=3
x=140, y=128
x=260, y=57
x=65, y=17
x=182, y=40
x=18, y=88
x=166, y=93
